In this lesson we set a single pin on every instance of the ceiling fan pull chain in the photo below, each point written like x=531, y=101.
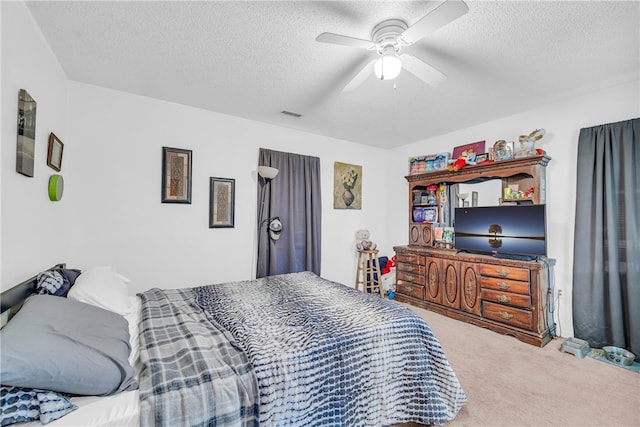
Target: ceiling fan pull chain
x=394, y=84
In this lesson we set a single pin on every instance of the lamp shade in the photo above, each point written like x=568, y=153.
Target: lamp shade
x=267, y=172
x=387, y=67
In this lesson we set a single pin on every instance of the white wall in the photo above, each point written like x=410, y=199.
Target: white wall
x=114, y=177
x=111, y=212
x=32, y=226
x=562, y=121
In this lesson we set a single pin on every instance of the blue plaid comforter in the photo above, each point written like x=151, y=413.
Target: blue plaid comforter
x=321, y=353
x=193, y=374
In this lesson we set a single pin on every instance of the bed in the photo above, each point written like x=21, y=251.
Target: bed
x=292, y=349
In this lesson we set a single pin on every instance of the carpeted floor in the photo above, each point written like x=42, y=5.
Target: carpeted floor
x=509, y=383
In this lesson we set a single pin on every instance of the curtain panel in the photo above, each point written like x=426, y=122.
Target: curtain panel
x=606, y=265
x=294, y=196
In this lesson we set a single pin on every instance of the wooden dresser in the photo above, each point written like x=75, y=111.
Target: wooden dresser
x=506, y=296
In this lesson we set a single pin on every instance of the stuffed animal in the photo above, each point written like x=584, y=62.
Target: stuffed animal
x=527, y=143
x=363, y=242
x=467, y=157
x=366, y=245
x=362, y=235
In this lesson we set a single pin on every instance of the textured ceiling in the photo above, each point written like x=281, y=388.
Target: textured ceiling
x=255, y=59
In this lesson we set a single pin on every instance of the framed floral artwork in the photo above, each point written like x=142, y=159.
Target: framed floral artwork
x=347, y=186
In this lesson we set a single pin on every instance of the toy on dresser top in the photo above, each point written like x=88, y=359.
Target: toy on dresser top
x=467, y=157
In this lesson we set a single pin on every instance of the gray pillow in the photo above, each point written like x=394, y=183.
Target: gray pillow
x=67, y=346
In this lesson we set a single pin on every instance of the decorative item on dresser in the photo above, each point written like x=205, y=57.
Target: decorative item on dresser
x=505, y=295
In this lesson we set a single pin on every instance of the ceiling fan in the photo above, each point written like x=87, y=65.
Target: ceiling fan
x=389, y=36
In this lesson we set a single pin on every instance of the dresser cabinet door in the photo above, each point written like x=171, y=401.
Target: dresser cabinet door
x=434, y=281
x=470, y=288
x=451, y=293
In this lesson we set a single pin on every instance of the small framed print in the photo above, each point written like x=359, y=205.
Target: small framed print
x=481, y=158
x=54, y=152
x=222, y=196
x=176, y=175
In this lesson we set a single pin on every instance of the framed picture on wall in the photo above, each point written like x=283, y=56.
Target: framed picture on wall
x=347, y=186
x=176, y=175
x=222, y=196
x=25, y=151
x=54, y=152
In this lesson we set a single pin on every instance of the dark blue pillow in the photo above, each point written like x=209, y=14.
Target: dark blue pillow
x=56, y=282
x=18, y=405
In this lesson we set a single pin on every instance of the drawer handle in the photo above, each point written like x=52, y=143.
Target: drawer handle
x=502, y=273
x=503, y=298
x=503, y=286
x=505, y=315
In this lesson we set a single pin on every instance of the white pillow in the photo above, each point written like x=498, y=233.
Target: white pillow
x=104, y=288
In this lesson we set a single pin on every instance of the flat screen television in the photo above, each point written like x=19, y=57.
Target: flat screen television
x=517, y=231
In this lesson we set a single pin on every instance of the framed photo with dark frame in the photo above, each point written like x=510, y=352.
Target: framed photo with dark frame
x=26, y=143
x=176, y=175
x=222, y=195
x=54, y=152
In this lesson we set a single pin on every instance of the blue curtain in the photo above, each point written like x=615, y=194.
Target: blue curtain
x=606, y=264
x=293, y=196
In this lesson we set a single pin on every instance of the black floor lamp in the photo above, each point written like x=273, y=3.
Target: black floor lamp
x=274, y=229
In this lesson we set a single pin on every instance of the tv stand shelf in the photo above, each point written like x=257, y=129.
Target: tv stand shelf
x=504, y=295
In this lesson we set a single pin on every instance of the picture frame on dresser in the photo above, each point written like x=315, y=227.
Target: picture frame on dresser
x=176, y=175
x=476, y=147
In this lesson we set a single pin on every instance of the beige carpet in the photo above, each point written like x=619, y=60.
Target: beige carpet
x=509, y=383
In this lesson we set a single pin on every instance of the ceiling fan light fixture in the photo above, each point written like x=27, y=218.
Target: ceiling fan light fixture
x=387, y=67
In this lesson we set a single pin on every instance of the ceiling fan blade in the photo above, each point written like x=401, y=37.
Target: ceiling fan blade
x=360, y=77
x=445, y=13
x=421, y=70
x=345, y=41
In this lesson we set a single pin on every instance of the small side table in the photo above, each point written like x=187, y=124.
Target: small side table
x=368, y=272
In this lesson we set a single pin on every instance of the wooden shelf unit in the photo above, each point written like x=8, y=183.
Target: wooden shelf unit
x=504, y=295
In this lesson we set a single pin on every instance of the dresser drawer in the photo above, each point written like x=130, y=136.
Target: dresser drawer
x=409, y=258
x=411, y=268
x=411, y=289
x=505, y=285
x=505, y=314
x=418, y=279
x=512, y=273
x=517, y=300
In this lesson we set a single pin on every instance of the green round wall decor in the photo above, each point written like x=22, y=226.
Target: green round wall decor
x=56, y=187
